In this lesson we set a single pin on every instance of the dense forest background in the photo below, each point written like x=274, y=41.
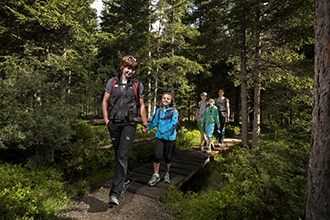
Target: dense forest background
x=57, y=56
x=56, y=59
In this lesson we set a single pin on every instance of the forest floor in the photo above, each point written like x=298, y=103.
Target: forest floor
x=131, y=207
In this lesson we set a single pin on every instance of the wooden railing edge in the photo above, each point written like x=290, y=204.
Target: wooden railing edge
x=134, y=141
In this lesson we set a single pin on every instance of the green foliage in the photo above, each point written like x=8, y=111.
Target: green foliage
x=248, y=184
x=49, y=72
x=31, y=194
x=140, y=154
x=84, y=160
x=45, y=66
x=187, y=138
x=232, y=130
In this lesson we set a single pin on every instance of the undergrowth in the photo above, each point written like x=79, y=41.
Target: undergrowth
x=31, y=194
x=268, y=183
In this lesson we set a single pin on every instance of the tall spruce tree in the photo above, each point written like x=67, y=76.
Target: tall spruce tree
x=318, y=191
x=171, y=65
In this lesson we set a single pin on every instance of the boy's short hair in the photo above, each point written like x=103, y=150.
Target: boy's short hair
x=129, y=61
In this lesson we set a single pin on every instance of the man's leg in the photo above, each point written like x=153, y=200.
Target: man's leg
x=222, y=129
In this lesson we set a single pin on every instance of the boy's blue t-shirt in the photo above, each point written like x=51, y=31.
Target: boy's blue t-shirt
x=166, y=122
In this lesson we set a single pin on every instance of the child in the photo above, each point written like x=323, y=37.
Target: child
x=201, y=106
x=165, y=119
x=209, y=120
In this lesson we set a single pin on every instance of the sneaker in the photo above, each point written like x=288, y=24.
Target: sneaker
x=113, y=201
x=126, y=183
x=219, y=145
x=208, y=150
x=167, y=178
x=154, y=179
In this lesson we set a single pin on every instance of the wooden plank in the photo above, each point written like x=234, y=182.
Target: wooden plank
x=188, y=162
x=156, y=191
x=185, y=166
x=145, y=190
x=143, y=179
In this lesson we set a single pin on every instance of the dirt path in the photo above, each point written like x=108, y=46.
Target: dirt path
x=132, y=207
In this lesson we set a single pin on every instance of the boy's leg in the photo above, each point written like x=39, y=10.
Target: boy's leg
x=209, y=128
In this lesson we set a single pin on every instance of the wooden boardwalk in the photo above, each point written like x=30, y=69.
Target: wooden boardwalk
x=184, y=165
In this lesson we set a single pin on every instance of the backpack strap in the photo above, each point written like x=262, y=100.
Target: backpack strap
x=136, y=90
x=172, y=111
x=113, y=84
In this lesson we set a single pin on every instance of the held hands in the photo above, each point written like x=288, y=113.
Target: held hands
x=144, y=128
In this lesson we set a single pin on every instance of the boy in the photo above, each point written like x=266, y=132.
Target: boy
x=209, y=121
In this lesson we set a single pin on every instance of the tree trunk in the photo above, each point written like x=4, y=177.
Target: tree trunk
x=256, y=85
x=244, y=90
x=318, y=186
x=237, y=106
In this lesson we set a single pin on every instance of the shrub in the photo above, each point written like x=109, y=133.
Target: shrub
x=187, y=139
x=269, y=183
x=30, y=193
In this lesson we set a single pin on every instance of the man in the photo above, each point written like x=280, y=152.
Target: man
x=224, y=113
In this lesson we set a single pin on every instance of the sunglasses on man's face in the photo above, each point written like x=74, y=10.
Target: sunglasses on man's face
x=131, y=58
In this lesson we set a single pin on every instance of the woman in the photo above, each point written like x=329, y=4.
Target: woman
x=126, y=95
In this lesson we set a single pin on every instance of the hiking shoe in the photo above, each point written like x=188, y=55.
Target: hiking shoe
x=167, y=178
x=154, y=179
x=113, y=201
x=126, y=183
